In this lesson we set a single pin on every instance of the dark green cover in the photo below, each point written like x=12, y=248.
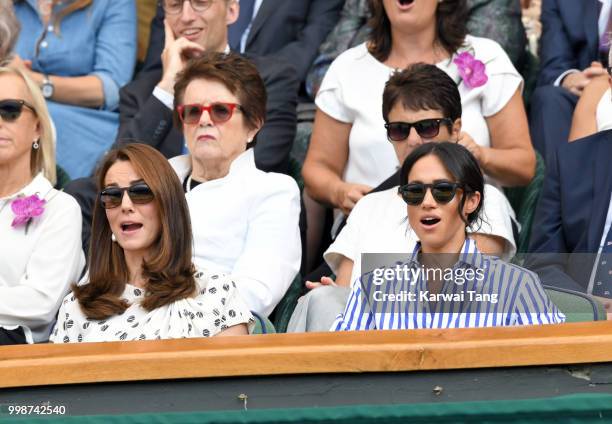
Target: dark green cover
x=581, y=408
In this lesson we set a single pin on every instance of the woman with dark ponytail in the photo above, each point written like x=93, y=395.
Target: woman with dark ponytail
x=141, y=283
x=446, y=282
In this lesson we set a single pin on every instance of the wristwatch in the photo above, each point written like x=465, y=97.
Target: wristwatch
x=47, y=87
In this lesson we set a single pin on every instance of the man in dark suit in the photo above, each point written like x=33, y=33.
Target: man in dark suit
x=573, y=51
x=571, y=239
x=290, y=29
x=146, y=103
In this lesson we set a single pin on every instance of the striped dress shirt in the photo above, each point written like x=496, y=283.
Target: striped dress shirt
x=481, y=291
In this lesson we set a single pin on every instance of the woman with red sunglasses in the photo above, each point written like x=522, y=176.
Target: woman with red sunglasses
x=40, y=227
x=245, y=221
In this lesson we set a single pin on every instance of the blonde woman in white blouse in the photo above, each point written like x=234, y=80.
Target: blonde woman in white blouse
x=141, y=282
x=40, y=227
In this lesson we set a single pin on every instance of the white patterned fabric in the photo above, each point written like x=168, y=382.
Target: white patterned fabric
x=216, y=307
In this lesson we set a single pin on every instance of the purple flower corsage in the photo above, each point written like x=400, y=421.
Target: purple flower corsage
x=26, y=209
x=471, y=70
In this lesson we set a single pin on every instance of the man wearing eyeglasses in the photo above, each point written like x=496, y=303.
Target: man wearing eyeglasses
x=420, y=104
x=191, y=28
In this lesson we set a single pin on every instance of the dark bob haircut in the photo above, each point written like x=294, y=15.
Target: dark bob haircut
x=169, y=270
x=238, y=74
x=460, y=163
x=422, y=87
x=451, y=27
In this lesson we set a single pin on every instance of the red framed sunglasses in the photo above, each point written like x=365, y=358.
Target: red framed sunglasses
x=219, y=112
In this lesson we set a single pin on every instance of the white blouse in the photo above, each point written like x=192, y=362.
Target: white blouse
x=604, y=111
x=216, y=307
x=37, y=267
x=352, y=90
x=378, y=224
x=246, y=225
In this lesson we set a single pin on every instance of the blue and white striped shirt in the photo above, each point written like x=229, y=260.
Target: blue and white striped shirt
x=494, y=293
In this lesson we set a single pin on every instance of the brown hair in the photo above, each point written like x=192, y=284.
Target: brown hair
x=169, y=273
x=238, y=74
x=451, y=28
x=422, y=87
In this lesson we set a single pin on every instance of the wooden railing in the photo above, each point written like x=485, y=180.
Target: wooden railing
x=349, y=352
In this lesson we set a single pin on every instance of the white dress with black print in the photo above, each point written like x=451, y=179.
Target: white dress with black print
x=217, y=307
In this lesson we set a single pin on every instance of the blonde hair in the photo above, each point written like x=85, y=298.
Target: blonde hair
x=9, y=29
x=43, y=158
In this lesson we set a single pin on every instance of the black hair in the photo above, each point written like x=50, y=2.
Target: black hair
x=451, y=27
x=460, y=163
x=423, y=87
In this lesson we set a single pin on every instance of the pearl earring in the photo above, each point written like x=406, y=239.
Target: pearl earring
x=35, y=145
x=113, y=238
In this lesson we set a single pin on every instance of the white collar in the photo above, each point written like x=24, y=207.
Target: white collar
x=39, y=185
x=244, y=162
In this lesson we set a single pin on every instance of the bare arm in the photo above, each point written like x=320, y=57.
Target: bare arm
x=511, y=158
x=489, y=244
x=584, y=120
x=325, y=162
x=234, y=330
x=81, y=91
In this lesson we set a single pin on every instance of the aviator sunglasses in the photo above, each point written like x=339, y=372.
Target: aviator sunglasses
x=10, y=109
x=219, y=112
x=139, y=193
x=426, y=128
x=442, y=192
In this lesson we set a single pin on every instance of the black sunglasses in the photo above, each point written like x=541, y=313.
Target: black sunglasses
x=442, y=191
x=10, y=109
x=426, y=128
x=139, y=193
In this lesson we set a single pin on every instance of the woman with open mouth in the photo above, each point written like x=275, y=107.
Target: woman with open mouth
x=141, y=282
x=446, y=282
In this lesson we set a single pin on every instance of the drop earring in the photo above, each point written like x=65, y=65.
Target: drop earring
x=35, y=145
x=113, y=238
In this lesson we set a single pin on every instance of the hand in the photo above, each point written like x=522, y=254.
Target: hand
x=325, y=281
x=347, y=195
x=18, y=62
x=607, y=304
x=468, y=142
x=577, y=81
x=175, y=55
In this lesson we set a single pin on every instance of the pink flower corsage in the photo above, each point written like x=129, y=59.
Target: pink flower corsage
x=26, y=209
x=472, y=70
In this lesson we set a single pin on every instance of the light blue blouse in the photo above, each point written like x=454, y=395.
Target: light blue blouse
x=99, y=40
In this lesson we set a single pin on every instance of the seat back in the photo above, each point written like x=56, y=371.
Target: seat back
x=577, y=307
x=262, y=325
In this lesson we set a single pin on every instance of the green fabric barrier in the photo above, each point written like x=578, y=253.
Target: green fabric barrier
x=579, y=408
x=282, y=313
x=62, y=178
x=524, y=201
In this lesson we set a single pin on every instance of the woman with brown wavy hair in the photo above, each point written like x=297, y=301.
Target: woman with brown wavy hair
x=349, y=153
x=141, y=282
x=80, y=52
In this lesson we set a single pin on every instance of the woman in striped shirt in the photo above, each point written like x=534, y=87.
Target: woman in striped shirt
x=446, y=282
